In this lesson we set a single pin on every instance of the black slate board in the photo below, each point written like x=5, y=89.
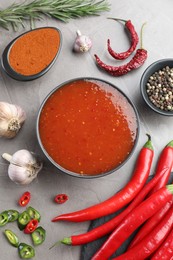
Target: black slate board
x=90, y=249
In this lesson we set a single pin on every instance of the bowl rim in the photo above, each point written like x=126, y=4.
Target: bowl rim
x=71, y=173
x=17, y=76
x=142, y=85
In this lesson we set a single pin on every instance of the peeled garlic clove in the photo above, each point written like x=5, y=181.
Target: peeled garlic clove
x=24, y=166
x=12, y=118
x=82, y=43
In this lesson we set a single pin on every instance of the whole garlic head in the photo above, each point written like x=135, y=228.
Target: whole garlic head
x=24, y=166
x=82, y=43
x=12, y=118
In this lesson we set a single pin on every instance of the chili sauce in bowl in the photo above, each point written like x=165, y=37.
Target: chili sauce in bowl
x=87, y=127
x=32, y=54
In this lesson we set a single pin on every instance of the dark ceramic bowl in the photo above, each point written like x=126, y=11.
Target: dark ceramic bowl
x=17, y=76
x=154, y=67
x=135, y=119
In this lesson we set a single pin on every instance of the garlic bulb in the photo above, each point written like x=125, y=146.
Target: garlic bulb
x=24, y=166
x=11, y=119
x=82, y=43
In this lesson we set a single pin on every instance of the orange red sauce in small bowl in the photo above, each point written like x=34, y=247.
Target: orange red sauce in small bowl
x=87, y=127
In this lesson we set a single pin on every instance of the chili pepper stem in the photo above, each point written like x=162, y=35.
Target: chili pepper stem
x=170, y=188
x=170, y=143
x=66, y=241
x=117, y=19
x=141, y=35
x=148, y=144
x=57, y=243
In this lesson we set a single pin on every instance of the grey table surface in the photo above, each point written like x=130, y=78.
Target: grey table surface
x=158, y=40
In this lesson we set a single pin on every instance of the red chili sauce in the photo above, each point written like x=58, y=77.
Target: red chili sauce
x=88, y=127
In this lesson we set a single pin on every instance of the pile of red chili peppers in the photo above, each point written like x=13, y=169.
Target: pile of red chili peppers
x=138, y=59
x=149, y=210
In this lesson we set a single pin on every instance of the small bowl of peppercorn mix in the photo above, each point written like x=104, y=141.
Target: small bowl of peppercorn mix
x=157, y=86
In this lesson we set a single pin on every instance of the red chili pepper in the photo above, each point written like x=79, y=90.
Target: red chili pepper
x=165, y=251
x=136, y=62
x=150, y=224
x=61, y=198
x=31, y=226
x=24, y=199
x=165, y=162
x=134, y=41
x=134, y=219
x=110, y=225
x=123, y=197
x=151, y=242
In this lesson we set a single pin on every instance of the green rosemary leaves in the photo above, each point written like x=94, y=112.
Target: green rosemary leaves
x=62, y=10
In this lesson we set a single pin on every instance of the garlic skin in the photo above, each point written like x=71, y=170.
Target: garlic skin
x=24, y=166
x=82, y=43
x=12, y=118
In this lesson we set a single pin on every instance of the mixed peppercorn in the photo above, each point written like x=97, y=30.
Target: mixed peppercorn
x=160, y=88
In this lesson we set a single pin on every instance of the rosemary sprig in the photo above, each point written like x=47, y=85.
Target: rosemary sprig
x=62, y=10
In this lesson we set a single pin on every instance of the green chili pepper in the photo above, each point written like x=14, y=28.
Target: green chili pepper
x=12, y=215
x=3, y=218
x=38, y=236
x=23, y=220
x=33, y=213
x=26, y=251
x=12, y=238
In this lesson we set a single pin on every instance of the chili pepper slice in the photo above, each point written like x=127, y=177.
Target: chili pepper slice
x=110, y=225
x=12, y=215
x=25, y=199
x=134, y=219
x=61, y=198
x=134, y=41
x=3, y=218
x=123, y=197
x=26, y=251
x=151, y=242
x=33, y=213
x=23, y=220
x=31, y=226
x=12, y=238
x=38, y=236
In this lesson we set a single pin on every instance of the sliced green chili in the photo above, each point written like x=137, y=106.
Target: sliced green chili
x=26, y=251
x=38, y=236
x=3, y=218
x=12, y=238
x=33, y=213
x=12, y=215
x=23, y=220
